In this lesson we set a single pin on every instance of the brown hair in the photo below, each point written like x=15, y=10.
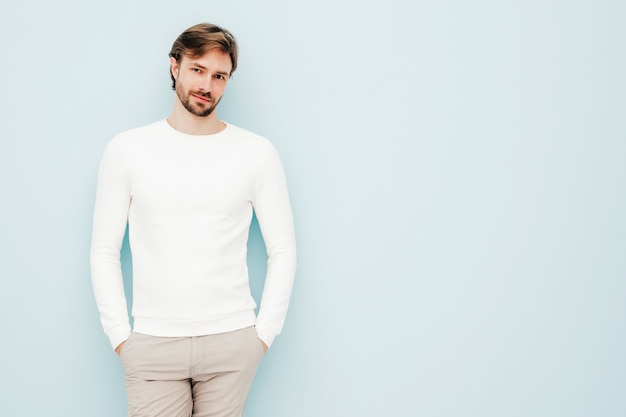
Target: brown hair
x=198, y=39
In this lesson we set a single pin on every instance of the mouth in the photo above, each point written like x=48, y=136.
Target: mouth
x=201, y=98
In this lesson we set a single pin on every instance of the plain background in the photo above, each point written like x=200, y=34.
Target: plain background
x=457, y=171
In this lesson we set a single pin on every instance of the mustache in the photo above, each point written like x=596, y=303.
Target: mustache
x=202, y=94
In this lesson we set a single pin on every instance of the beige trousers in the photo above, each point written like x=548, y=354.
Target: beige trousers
x=204, y=376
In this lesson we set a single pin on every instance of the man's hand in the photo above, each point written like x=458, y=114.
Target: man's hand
x=118, y=349
x=264, y=346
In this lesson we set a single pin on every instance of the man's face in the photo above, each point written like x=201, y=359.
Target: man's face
x=200, y=82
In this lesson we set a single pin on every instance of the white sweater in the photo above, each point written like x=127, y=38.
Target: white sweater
x=188, y=201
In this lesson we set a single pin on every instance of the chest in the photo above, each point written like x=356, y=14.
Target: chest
x=185, y=181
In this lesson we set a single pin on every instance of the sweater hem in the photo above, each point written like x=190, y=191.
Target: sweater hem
x=189, y=328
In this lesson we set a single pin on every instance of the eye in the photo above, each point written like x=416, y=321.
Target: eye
x=219, y=76
x=196, y=70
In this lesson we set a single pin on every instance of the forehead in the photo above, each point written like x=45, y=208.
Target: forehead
x=214, y=59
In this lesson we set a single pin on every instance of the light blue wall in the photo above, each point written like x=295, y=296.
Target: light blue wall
x=457, y=172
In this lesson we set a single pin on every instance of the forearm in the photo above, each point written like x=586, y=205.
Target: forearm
x=108, y=288
x=276, y=294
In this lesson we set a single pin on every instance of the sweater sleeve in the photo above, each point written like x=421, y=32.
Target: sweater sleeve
x=273, y=210
x=109, y=225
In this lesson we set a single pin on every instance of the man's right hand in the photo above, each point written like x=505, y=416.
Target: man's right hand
x=118, y=349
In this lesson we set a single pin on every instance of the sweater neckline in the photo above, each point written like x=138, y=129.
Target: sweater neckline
x=181, y=135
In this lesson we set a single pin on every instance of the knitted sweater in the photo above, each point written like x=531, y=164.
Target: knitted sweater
x=188, y=201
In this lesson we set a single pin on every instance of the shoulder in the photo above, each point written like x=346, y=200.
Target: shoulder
x=135, y=140
x=253, y=146
x=140, y=133
x=247, y=138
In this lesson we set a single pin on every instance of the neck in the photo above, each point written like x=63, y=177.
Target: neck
x=185, y=122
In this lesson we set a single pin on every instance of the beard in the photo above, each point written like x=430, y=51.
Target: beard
x=196, y=108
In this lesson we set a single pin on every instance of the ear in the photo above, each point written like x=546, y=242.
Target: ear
x=174, y=67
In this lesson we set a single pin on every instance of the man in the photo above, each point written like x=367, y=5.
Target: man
x=187, y=187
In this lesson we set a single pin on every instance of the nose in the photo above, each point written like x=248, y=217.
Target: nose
x=205, y=85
